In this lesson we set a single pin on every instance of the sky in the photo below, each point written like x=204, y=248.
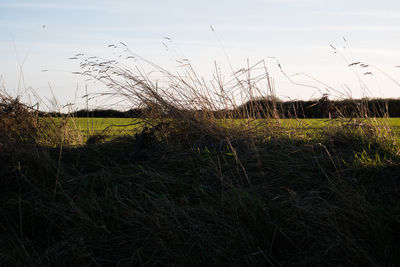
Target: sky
x=37, y=38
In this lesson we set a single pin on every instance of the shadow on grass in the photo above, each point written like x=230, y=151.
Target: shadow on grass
x=144, y=201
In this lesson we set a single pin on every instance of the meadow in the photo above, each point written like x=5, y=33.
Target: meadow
x=109, y=126
x=131, y=126
x=191, y=189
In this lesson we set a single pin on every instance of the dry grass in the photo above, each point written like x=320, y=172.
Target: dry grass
x=185, y=97
x=196, y=188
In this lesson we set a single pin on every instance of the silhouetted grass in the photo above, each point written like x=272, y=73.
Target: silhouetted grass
x=195, y=189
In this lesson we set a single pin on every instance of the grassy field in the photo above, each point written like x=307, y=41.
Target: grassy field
x=184, y=194
x=129, y=126
x=111, y=126
x=98, y=124
x=195, y=190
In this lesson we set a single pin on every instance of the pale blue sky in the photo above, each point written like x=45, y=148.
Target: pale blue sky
x=297, y=32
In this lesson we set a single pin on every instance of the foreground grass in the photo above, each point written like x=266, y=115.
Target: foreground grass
x=175, y=196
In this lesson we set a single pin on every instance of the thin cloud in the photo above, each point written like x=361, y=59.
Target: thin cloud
x=341, y=28
x=378, y=52
x=253, y=28
x=374, y=13
x=72, y=6
x=389, y=53
x=286, y=1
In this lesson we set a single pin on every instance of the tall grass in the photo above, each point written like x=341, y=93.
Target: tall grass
x=199, y=187
x=186, y=97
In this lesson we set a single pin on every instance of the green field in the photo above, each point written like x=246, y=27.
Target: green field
x=129, y=126
x=87, y=127
x=113, y=126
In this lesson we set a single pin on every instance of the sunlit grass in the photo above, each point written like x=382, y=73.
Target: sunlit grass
x=129, y=126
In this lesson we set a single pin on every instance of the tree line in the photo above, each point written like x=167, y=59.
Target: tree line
x=272, y=107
